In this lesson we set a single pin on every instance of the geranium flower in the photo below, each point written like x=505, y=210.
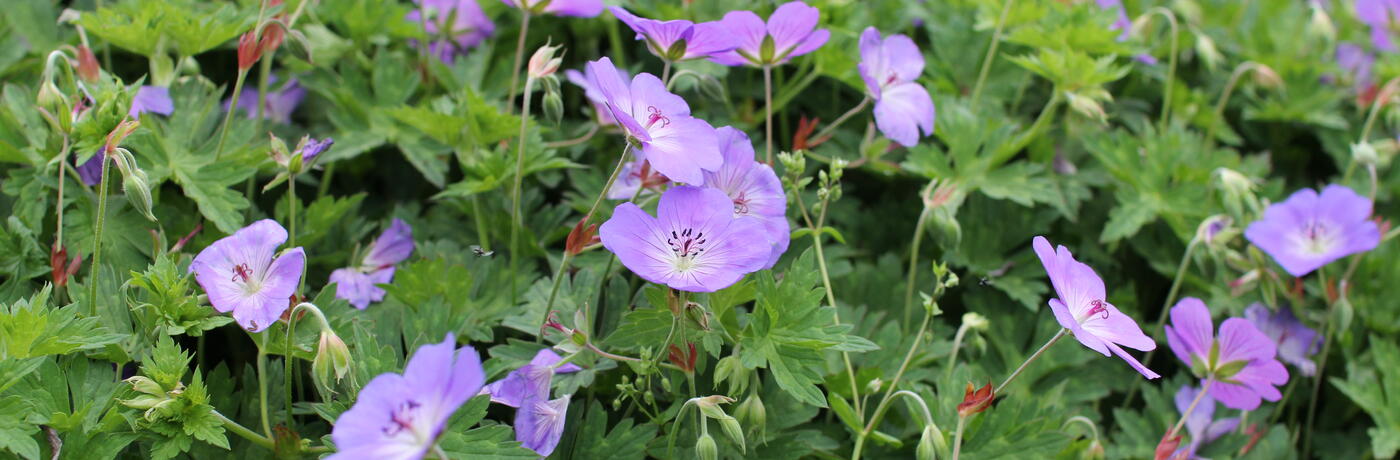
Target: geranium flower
x=889, y=67
x=153, y=99
x=539, y=422
x=1296, y=342
x=678, y=40
x=1122, y=23
x=594, y=95
x=754, y=188
x=676, y=144
x=401, y=416
x=1379, y=15
x=529, y=380
x=1080, y=306
x=90, y=172
x=694, y=244
x=1201, y=424
x=1239, y=363
x=359, y=284
x=1357, y=65
x=1308, y=230
x=470, y=26
x=576, y=8
x=791, y=31
x=280, y=103
x=242, y=274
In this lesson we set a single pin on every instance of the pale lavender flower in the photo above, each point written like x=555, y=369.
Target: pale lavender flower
x=1357, y=65
x=400, y=417
x=153, y=99
x=1380, y=15
x=1239, y=362
x=360, y=284
x=678, y=40
x=754, y=188
x=470, y=26
x=676, y=144
x=1201, y=424
x=576, y=8
x=1122, y=23
x=242, y=274
x=585, y=80
x=1080, y=306
x=889, y=67
x=1296, y=342
x=91, y=171
x=694, y=244
x=279, y=103
x=539, y=421
x=1309, y=230
x=791, y=31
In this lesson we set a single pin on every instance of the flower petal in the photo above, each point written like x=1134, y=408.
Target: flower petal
x=1191, y=332
x=902, y=111
x=790, y=25
x=683, y=149
x=748, y=31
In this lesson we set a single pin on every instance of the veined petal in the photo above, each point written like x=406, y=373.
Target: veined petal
x=1116, y=327
x=650, y=97
x=709, y=38
x=575, y=8
x=902, y=111
x=392, y=246
x=607, y=79
x=638, y=242
x=1241, y=341
x=683, y=148
x=748, y=31
x=1192, y=332
x=810, y=44
x=1066, y=320
x=1117, y=350
x=791, y=24
x=539, y=424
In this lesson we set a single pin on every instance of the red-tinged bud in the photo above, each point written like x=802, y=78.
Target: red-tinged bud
x=650, y=178
x=272, y=36
x=249, y=50
x=58, y=264
x=88, y=69
x=683, y=359
x=581, y=237
x=976, y=399
x=805, y=128
x=1170, y=442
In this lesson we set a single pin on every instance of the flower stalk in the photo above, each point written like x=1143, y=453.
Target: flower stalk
x=991, y=54
x=97, y=237
x=519, y=56
x=768, y=112
x=515, y=220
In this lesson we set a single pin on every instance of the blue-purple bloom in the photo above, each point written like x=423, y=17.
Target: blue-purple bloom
x=153, y=99
x=1296, y=342
x=677, y=145
x=279, y=103
x=585, y=80
x=1122, y=24
x=576, y=8
x=1379, y=15
x=1081, y=306
x=91, y=171
x=399, y=417
x=1357, y=65
x=889, y=67
x=791, y=31
x=539, y=421
x=470, y=26
x=1201, y=424
x=678, y=40
x=1309, y=230
x=694, y=244
x=243, y=274
x=1239, y=363
x=754, y=188
x=360, y=284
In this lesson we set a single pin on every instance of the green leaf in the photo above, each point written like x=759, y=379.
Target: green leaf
x=31, y=328
x=1378, y=395
x=625, y=441
x=16, y=435
x=191, y=27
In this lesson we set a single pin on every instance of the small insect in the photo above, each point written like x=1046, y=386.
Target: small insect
x=481, y=252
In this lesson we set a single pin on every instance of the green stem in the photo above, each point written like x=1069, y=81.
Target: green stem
x=830, y=128
x=325, y=180
x=232, y=112
x=1371, y=119
x=957, y=344
x=515, y=68
x=97, y=238
x=991, y=53
x=264, y=74
x=957, y=436
x=913, y=276
x=1033, y=356
x=768, y=111
x=1171, y=65
x=1041, y=121
x=1321, y=363
x=1225, y=97
x=666, y=72
x=1199, y=395
x=481, y=234
x=888, y=398
x=262, y=386
x=244, y=432
x=515, y=220
x=830, y=296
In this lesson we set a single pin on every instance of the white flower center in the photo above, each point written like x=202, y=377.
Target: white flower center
x=687, y=245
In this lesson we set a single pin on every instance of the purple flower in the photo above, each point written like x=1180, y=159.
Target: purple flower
x=694, y=244
x=576, y=8
x=401, y=416
x=470, y=26
x=676, y=144
x=154, y=99
x=1307, y=231
x=889, y=67
x=359, y=284
x=539, y=422
x=1357, y=65
x=1081, y=308
x=243, y=274
x=91, y=171
x=1201, y=424
x=753, y=187
x=790, y=32
x=1239, y=363
x=1380, y=15
x=1296, y=342
x=279, y=103
x=1122, y=23
x=635, y=176
x=313, y=148
x=595, y=95
x=678, y=40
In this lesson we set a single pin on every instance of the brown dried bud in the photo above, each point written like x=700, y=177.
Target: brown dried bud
x=581, y=237
x=88, y=69
x=976, y=399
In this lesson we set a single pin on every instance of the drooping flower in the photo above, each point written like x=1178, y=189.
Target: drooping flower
x=576, y=8
x=1296, y=342
x=678, y=40
x=635, y=175
x=243, y=274
x=401, y=416
x=360, y=284
x=791, y=31
x=1308, y=230
x=539, y=421
x=594, y=95
x=676, y=144
x=1380, y=15
x=469, y=26
x=754, y=188
x=694, y=244
x=279, y=103
x=1081, y=306
x=153, y=99
x=1239, y=364
x=1201, y=424
x=889, y=67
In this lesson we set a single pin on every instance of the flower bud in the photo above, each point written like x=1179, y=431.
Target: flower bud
x=709, y=405
x=135, y=184
x=705, y=448
x=1265, y=76
x=143, y=384
x=976, y=399
x=1087, y=107
x=1209, y=53
x=975, y=321
x=1212, y=227
x=1094, y=451
x=272, y=35
x=752, y=412
x=1320, y=25
x=248, y=50
x=553, y=107
x=543, y=63
x=88, y=69
x=734, y=431
x=927, y=448
x=1365, y=154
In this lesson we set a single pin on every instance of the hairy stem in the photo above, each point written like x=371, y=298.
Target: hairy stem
x=957, y=436
x=97, y=237
x=262, y=386
x=991, y=52
x=1171, y=65
x=888, y=398
x=1240, y=70
x=515, y=219
x=831, y=128
x=515, y=68
x=913, y=276
x=1017, y=372
x=232, y=112
x=244, y=432
x=768, y=111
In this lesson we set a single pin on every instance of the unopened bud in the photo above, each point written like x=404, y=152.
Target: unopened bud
x=976, y=399
x=705, y=448
x=143, y=384
x=50, y=97
x=332, y=359
x=1087, y=107
x=927, y=448
x=975, y=321
x=1365, y=154
x=1266, y=76
x=553, y=107
x=1212, y=227
x=1234, y=182
x=272, y=36
x=543, y=63
x=711, y=87
x=752, y=412
x=135, y=184
x=1206, y=49
x=1094, y=451
x=248, y=50
x=88, y=69
x=1320, y=25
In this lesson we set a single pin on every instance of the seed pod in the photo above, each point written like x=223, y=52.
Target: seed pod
x=705, y=448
